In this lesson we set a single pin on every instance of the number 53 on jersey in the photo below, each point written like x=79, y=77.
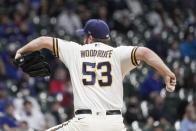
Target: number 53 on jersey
x=91, y=69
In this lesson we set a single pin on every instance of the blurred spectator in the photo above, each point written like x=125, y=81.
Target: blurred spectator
x=84, y=13
x=155, y=20
x=60, y=85
x=135, y=7
x=148, y=124
x=6, y=56
x=67, y=101
x=166, y=124
x=181, y=109
x=21, y=28
x=158, y=45
x=23, y=126
x=122, y=21
x=34, y=118
x=68, y=21
x=189, y=121
x=157, y=112
x=158, y=128
x=8, y=120
x=188, y=46
x=55, y=116
x=152, y=83
x=103, y=13
x=59, y=82
x=173, y=52
x=19, y=104
x=133, y=112
x=4, y=99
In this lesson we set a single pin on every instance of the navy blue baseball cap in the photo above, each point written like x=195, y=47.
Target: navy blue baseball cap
x=95, y=27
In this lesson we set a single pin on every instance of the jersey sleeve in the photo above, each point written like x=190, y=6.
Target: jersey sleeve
x=127, y=58
x=64, y=50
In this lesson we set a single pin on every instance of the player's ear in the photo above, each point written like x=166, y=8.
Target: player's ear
x=85, y=40
x=88, y=39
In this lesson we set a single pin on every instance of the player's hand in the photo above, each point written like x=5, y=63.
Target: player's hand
x=170, y=81
x=18, y=55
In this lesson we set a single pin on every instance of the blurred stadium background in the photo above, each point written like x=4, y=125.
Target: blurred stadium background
x=166, y=26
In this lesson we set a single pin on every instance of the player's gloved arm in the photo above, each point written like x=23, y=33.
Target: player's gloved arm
x=35, y=45
x=152, y=59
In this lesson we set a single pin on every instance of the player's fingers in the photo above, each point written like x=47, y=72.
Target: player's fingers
x=172, y=84
x=173, y=78
x=172, y=75
x=170, y=88
x=18, y=55
x=173, y=81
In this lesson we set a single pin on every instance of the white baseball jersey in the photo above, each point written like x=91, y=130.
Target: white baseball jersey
x=97, y=72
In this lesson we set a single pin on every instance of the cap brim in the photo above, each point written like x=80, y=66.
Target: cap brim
x=80, y=32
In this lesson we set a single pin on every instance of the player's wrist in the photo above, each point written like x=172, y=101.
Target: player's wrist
x=167, y=72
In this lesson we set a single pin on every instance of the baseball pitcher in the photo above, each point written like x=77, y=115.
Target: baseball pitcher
x=97, y=71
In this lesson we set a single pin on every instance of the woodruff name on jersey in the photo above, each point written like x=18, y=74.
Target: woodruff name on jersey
x=96, y=53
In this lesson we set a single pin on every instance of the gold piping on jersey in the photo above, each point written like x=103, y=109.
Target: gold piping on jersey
x=133, y=57
x=55, y=47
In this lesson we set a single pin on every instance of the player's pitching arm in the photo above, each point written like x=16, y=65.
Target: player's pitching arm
x=152, y=59
x=35, y=45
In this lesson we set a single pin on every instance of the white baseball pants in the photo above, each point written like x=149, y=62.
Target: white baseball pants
x=89, y=122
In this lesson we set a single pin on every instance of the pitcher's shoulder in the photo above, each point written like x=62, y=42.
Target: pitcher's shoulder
x=74, y=43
